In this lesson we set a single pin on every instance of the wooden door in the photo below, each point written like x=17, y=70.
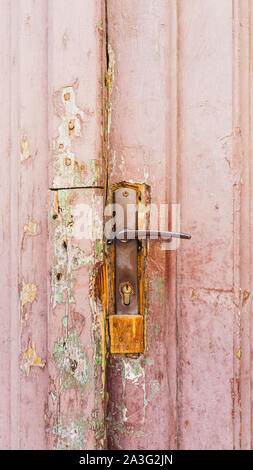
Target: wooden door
x=96, y=93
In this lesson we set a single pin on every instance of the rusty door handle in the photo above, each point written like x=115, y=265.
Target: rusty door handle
x=127, y=234
x=126, y=254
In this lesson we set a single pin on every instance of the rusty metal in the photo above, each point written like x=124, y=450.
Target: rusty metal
x=126, y=254
x=126, y=326
x=126, y=291
x=126, y=334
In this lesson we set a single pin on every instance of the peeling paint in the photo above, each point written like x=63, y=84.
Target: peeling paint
x=31, y=359
x=109, y=81
x=31, y=228
x=28, y=293
x=78, y=367
x=24, y=148
x=71, y=361
x=68, y=256
x=216, y=297
x=68, y=172
x=69, y=432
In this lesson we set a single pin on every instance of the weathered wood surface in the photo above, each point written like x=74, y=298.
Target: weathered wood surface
x=75, y=127
x=76, y=379
x=75, y=92
x=52, y=99
x=177, y=124
x=175, y=115
x=142, y=392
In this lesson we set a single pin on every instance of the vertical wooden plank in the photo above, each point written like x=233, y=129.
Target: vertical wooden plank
x=25, y=175
x=208, y=314
x=75, y=322
x=142, y=42
x=75, y=44
x=9, y=235
x=76, y=387
x=33, y=150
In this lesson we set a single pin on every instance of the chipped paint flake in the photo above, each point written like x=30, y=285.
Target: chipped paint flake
x=24, y=148
x=31, y=359
x=31, y=228
x=28, y=293
x=68, y=257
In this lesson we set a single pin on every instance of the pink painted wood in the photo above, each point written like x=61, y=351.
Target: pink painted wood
x=75, y=127
x=48, y=49
x=142, y=393
x=75, y=47
x=181, y=122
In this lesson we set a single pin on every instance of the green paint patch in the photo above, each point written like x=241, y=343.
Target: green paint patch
x=69, y=432
x=156, y=291
x=157, y=330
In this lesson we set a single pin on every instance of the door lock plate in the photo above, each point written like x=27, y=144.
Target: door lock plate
x=126, y=334
x=126, y=320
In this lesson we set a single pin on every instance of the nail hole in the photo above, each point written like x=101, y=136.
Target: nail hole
x=67, y=161
x=71, y=125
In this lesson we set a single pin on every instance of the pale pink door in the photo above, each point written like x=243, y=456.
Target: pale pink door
x=99, y=92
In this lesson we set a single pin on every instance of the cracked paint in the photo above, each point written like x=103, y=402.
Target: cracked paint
x=69, y=173
x=31, y=359
x=68, y=256
x=71, y=361
x=67, y=169
x=78, y=365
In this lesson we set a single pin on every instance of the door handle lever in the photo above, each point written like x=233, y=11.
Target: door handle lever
x=127, y=234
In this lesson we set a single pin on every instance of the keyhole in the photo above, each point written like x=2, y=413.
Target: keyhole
x=126, y=290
